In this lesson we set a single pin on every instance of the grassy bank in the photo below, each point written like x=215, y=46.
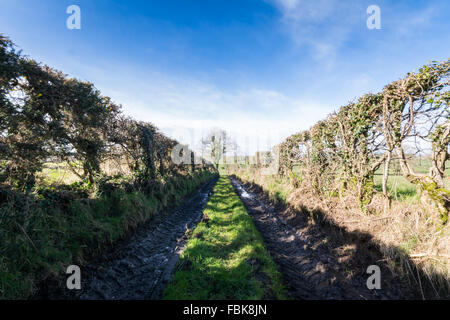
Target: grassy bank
x=405, y=226
x=48, y=229
x=225, y=257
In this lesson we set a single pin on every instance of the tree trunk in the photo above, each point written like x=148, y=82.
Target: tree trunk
x=387, y=198
x=432, y=197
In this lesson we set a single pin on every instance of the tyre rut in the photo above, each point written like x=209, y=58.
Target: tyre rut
x=310, y=266
x=140, y=267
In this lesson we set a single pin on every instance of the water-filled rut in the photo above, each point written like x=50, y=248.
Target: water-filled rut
x=140, y=267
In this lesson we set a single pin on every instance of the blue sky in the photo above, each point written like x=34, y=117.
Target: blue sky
x=262, y=69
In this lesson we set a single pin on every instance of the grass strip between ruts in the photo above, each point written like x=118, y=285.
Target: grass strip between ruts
x=225, y=257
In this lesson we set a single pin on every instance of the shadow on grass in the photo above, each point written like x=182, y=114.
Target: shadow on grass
x=45, y=231
x=324, y=236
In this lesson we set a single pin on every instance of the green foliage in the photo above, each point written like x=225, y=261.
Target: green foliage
x=46, y=117
x=44, y=232
x=340, y=155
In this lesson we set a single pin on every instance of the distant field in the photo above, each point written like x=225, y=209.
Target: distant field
x=58, y=173
x=399, y=188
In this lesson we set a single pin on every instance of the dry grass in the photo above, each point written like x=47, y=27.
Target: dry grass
x=416, y=235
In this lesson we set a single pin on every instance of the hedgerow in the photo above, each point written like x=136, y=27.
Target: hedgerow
x=125, y=170
x=340, y=154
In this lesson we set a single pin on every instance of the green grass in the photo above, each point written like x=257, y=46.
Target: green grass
x=225, y=257
x=398, y=187
x=43, y=233
x=57, y=173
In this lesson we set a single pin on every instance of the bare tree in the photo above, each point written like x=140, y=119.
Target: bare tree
x=216, y=144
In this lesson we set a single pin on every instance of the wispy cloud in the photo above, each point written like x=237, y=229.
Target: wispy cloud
x=185, y=107
x=261, y=74
x=258, y=118
x=301, y=10
x=318, y=26
x=413, y=21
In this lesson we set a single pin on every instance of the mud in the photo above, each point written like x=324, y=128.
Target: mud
x=316, y=263
x=140, y=266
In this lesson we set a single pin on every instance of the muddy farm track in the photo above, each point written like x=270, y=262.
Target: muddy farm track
x=313, y=265
x=139, y=267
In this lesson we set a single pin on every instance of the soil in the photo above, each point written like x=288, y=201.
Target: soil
x=138, y=267
x=317, y=262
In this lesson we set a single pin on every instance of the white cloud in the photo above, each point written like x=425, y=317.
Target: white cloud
x=321, y=26
x=259, y=116
x=185, y=108
x=301, y=10
x=408, y=24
